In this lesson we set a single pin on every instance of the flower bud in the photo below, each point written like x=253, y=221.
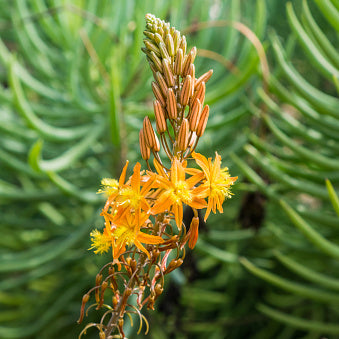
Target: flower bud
x=195, y=114
x=203, y=121
x=157, y=93
x=183, y=135
x=171, y=104
x=183, y=44
x=168, y=72
x=169, y=44
x=159, y=117
x=156, y=61
x=186, y=91
x=161, y=82
x=144, y=149
x=204, y=78
x=179, y=62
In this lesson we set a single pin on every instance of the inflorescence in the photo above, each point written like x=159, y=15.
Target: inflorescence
x=143, y=213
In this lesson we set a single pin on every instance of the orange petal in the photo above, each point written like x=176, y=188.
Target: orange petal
x=193, y=232
x=141, y=247
x=123, y=175
x=149, y=239
x=135, y=179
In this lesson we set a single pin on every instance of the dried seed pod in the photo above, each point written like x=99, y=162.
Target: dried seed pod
x=168, y=73
x=203, y=121
x=169, y=44
x=179, y=62
x=159, y=117
x=152, y=47
x=183, y=44
x=171, y=104
x=195, y=115
x=144, y=149
x=186, y=91
x=157, y=93
x=162, y=83
x=156, y=61
x=163, y=51
x=183, y=135
x=204, y=78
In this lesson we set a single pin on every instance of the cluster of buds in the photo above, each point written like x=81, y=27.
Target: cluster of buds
x=143, y=213
x=179, y=110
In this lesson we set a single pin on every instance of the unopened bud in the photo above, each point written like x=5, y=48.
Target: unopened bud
x=186, y=91
x=171, y=104
x=195, y=114
x=203, y=121
x=169, y=44
x=149, y=133
x=162, y=83
x=183, y=44
x=200, y=93
x=204, y=78
x=163, y=51
x=168, y=73
x=176, y=40
x=156, y=61
x=179, y=62
x=152, y=47
x=159, y=117
x=183, y=135
x=157, y=93
x=187, y=64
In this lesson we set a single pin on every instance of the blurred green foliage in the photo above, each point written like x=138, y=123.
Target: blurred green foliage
x=74, y=88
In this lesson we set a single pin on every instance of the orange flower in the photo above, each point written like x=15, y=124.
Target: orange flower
x=217, y=182
x=177, y=191
x=126, y=231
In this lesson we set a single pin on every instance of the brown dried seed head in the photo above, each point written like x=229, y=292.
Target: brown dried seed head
x=183, y=135
x=148, y=133
x=203, y=121
x=145, y=151
x=168, y=73
x=179, y=62
x=183, y=44
x=162, y=83
x=157, y=93
x=204, y=78
x=171, y=104
x=195, y=115
x=186, y=91
x=159, y=117
x=169, y=44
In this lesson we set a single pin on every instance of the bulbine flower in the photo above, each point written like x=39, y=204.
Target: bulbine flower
x=216, y=183
x=176, y=191
x=139, y=210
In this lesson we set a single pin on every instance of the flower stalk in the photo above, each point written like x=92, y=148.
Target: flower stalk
x=143, y=214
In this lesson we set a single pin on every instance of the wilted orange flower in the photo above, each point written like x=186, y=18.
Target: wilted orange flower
x=216, y=185
x=177, y=191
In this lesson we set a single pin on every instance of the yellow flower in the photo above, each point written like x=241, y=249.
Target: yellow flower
x=101, y=242
x=127, y=232
x=109, y=186
x=217, y=182
x=177, y=191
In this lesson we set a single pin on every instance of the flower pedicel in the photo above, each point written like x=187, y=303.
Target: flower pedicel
x=143, y=214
